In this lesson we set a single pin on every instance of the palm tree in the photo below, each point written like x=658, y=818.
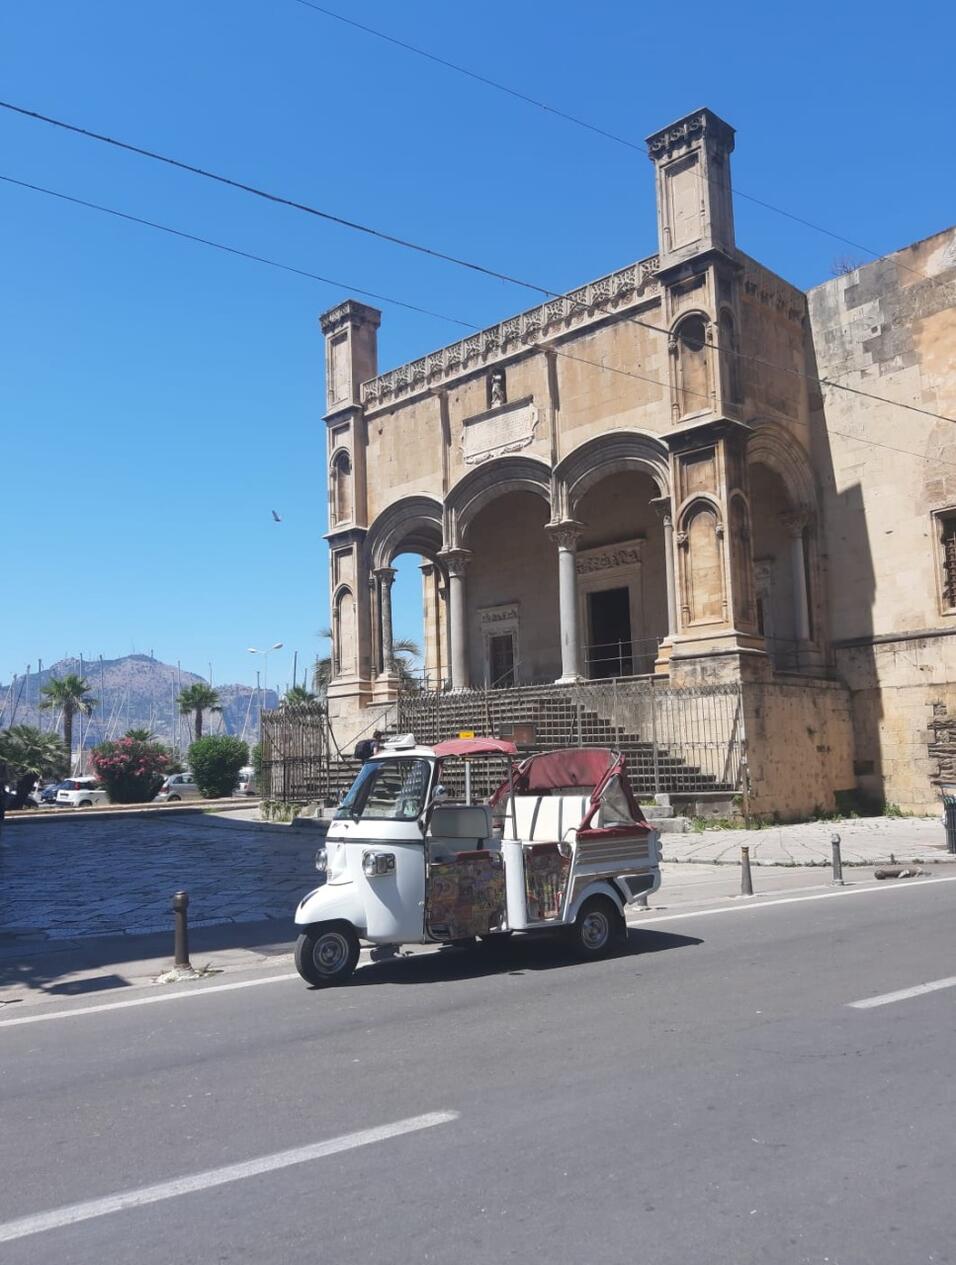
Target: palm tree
x=299, y=696
x=140, y=735
x=71, y=693
x=30, y=754
x=196, y=699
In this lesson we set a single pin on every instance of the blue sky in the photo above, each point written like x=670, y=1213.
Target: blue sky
x=158, y=399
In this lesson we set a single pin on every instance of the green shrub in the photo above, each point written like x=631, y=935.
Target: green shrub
x=131, y=770
x=215, y=764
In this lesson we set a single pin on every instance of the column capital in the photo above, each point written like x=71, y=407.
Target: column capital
x=386, y=575
x=795, y=520
x=455, y=560
x=662, y=506
x=566, y=533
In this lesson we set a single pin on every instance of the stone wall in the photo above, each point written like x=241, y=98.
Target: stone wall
x=799, y=746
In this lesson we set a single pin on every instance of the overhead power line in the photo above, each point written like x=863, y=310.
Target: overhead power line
x=407, y=244
x=638, y=146
x=565, y=355
x=232, y=250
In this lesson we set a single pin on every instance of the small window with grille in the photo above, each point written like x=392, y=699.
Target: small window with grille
x=946, y=558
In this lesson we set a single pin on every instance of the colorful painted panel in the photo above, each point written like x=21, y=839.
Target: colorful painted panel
x=466, y=896
x=545, y=880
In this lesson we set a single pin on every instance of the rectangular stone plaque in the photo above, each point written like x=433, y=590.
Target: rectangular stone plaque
x=499, y=431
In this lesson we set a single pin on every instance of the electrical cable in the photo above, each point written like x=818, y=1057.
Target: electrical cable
x=469, y=325
x=583, y=123
x=409, y=245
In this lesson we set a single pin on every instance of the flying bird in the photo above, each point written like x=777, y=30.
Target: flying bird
x=276, y=517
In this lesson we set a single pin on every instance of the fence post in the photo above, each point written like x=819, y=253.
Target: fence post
x=837, y=861
x=654, y=751
x=577, y=722
x=746, y=882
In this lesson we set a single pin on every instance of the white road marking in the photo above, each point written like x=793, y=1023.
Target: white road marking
x=22, y=1227
x=152, y=999
x=792, y=900
x=901, y=994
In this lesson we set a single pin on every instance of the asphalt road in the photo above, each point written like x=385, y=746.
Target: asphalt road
x=709, y=1097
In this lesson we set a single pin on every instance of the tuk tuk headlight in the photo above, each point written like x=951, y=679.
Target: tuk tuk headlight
x=376, y=863
x=321, y=860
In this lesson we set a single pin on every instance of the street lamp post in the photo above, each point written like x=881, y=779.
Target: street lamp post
x=265, y=671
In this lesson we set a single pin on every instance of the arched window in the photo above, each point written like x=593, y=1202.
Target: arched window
x=344, y=634
x=693, y=370
x=341, y=488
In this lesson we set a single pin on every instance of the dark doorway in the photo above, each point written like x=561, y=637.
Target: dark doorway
x=501, y=661
x=609, y=619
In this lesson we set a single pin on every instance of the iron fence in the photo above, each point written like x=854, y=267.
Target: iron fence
x=294, y=746
x=678, y=739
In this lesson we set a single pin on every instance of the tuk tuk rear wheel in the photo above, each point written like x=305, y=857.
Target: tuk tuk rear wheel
x=327, y=953
x=598, y=928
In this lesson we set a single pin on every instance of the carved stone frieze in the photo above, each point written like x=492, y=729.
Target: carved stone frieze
x=581, y=307
x=611, y=558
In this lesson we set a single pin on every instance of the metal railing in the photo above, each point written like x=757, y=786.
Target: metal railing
x=620, y=658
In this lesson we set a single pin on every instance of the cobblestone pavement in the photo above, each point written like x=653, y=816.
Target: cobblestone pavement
x=62, y=879
x=863, y=841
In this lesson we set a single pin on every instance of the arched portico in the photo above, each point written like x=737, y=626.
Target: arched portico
x=785, y=517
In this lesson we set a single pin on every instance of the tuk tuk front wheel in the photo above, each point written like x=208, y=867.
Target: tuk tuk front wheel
x=598, y=928
x=327, y=953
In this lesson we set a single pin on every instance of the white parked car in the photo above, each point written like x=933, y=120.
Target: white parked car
x=81, y=792
x=246, y=782
x=177, y=786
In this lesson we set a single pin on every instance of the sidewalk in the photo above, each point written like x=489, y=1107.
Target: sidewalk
x=863, y=841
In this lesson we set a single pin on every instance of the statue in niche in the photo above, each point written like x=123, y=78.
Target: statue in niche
x=497, y=394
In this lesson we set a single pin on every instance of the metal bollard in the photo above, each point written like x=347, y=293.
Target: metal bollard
x=746, y=882
x=837, y=861
x=181, y=937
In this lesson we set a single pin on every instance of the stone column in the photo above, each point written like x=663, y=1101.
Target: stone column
x=795, y=524
x=386, y=578
x=663, y=506
x=456, y=563
x=565, y=535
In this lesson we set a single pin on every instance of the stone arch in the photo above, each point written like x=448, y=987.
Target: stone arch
x=411, y=525
x=700, y=540
x=341, y=495
x=741, y=562
x=691, y=344
x=344, y=631
x=772, y=445
x=493, y=479
x=620, y=450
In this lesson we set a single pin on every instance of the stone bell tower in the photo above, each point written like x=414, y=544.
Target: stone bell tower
x=699, y=276
x=350, y=359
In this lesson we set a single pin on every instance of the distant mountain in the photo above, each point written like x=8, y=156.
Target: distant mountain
x=135, y=692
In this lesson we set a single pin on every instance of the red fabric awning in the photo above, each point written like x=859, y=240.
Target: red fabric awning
x=474, y=746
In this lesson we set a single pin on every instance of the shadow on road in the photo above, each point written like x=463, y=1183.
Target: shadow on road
x=506, y=957
x=41, y=965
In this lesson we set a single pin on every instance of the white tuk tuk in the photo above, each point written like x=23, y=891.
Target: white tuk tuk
x=562, y=843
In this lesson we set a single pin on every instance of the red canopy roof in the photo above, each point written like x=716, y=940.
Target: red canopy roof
x=475, y=746
x=559, y=770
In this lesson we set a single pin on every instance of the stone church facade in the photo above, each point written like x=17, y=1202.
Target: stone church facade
x=646, y=478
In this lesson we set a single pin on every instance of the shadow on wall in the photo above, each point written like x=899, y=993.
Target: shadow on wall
x=846, y=557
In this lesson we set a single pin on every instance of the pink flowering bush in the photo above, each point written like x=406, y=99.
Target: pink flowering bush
x=130, y=769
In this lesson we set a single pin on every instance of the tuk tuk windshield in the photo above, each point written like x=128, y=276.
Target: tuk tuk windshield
x=388, y=790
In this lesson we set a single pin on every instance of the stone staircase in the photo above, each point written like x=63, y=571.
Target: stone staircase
x=551, y=717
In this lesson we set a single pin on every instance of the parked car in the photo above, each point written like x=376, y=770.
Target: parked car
x=81, y=792
x=246, y=782
x=177, y=786
x=48, y=794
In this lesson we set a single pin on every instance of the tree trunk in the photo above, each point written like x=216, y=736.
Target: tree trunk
x=197, y=727
x=68, y=733
x=24, y=786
